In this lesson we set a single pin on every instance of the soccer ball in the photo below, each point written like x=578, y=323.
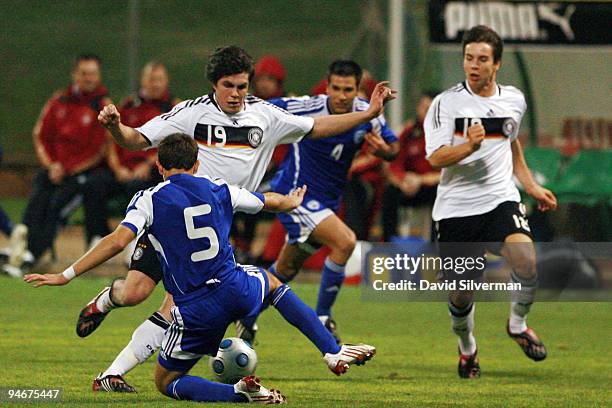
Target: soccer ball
x=234, y=360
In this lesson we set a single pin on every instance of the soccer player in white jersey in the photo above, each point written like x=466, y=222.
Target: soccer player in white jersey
x=471, y=133
x=188, y=220
x=236, y=135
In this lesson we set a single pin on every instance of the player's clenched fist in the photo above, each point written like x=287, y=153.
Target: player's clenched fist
x=109, y=116
x=476, y=134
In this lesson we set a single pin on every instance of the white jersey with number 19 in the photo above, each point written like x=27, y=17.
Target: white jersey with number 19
x=237, y=148
x=483, y=180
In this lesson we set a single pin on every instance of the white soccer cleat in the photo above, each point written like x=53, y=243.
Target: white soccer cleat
x=257, y=393
x=348, y=355
x=18, y=245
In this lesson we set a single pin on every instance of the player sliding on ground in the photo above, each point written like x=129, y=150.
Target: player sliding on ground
x=471, y=132
x=236, y=135
x=188, y=219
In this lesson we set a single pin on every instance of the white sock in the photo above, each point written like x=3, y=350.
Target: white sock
x=521, y=302
x=518, y=317
x=463, y=326
x=104, y=302
x=146, y=340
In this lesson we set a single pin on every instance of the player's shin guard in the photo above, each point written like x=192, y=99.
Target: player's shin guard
x=304, y=318
x=146, y=340
x=193, y=388
x=463, y=326
x=332, y=278
x=521, y=303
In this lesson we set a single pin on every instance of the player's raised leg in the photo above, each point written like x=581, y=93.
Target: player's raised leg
x=295, y=311
x=130, y=291
x=520, y=253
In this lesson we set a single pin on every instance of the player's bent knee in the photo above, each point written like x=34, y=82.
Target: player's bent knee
x=134, y=297
x=524, y=266
x=135, y=288
x=347, y=246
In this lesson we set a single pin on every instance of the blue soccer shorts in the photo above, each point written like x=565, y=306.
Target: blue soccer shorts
x=199, y=325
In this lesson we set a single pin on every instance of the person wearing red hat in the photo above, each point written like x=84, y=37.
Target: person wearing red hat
x=269, y=77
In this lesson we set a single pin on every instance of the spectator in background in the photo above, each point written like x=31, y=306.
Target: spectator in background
x=269, y=78
x=364, y=190
x=70, y=145
x=411, y=181
x=6, y=225
x=129, y=171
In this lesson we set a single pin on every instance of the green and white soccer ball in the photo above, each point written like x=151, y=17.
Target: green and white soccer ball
x=235, y=359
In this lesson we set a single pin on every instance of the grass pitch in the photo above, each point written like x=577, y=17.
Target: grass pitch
x=415, y=364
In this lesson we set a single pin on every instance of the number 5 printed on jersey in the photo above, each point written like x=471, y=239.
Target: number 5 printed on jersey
x=189, y=214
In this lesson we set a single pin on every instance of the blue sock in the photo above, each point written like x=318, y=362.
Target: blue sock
x=304, y=318
x=331, y=282
x=6, y=225
x=191, y=388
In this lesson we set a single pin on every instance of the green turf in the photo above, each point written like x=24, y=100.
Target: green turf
x=415, y=364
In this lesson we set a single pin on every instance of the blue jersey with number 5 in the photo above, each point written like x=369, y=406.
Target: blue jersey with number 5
x=323, y=164
x=188, y=220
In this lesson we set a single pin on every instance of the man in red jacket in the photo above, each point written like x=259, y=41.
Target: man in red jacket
x=70, y=144
x=129, y=171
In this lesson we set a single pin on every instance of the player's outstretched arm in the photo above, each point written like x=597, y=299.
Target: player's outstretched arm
x=125, y=136
x=335, y=124
x=275, y=202
x=545, y=198
x=108, y=247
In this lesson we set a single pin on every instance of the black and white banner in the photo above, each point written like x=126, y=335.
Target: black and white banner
x=530, y=22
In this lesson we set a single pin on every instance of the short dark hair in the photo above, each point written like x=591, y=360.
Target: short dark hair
x=177, y=151
x=481, y=33
x=230, y=60
x=86, y=57
x=345, y=68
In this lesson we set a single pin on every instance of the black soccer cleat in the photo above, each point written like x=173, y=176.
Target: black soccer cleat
x=90, y=317
x=111, y=383
x=469, y=366
x=529, y=342
x=245, y=332
x=332, y=327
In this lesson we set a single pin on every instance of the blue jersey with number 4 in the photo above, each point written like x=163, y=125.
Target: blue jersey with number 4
x=323, y=164
x=188, y=220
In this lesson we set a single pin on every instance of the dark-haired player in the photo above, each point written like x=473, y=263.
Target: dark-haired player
x=471, y=133
x=236, y=135
x=315, y=223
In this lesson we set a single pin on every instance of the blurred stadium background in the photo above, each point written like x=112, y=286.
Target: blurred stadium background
x=567, y=84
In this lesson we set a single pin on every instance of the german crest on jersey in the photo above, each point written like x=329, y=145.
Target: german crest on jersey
x=255, y=135
x=509, y=127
